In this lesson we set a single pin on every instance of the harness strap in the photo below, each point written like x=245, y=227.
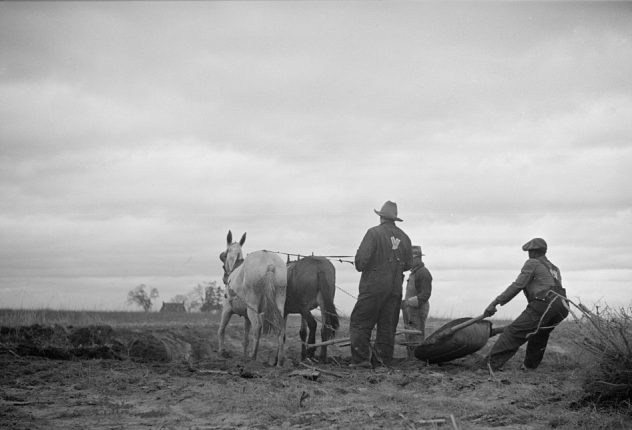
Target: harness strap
x=226, y=273
x=226, y=278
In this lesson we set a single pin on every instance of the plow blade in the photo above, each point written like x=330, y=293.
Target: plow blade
x=456, y=339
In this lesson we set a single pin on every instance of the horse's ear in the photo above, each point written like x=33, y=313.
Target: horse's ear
x=229, y=238
x=222, y=257
x=242, y=240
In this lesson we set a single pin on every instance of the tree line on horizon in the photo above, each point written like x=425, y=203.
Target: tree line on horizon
x=204, y=297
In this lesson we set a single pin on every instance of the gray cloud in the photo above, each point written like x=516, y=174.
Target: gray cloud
x=136, y=134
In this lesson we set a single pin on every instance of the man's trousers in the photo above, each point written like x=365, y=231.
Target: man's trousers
x=534, y=325
x=370, y=310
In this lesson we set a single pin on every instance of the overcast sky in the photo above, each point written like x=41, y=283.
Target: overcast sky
x=134, y=135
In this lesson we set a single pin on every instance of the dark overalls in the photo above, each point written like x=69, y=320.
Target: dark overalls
x=384, y=254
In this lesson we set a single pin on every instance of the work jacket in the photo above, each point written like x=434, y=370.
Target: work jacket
x=419, y=284
x=385, y=253
x=537, y=277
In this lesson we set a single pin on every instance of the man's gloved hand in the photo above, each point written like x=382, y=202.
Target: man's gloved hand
x=413, y=302
x=490, y=310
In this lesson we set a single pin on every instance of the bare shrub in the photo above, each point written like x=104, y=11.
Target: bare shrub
x=607, y=338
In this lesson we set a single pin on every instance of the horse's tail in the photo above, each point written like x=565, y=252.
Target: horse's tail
x=272, y=316
x=326, y=303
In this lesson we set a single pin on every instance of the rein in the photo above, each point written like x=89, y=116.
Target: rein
x=338, y=258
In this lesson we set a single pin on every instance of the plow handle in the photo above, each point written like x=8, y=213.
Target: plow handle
x=460, y=326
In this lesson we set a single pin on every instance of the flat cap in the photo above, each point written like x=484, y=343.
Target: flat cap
x=537, y=243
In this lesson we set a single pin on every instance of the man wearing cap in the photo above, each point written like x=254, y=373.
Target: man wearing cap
x=541, y=282
x=383, y=256
x=415, y=306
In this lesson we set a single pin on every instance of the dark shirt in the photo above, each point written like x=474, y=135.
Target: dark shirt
x=419, y=283
x=537, y=276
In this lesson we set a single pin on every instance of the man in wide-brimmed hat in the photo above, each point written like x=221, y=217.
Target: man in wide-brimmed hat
x=383, y=256
x=541, y=282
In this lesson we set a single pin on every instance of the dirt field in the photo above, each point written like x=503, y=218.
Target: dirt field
x=167, y=375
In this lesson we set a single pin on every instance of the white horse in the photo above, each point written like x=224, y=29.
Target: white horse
x=255, y=289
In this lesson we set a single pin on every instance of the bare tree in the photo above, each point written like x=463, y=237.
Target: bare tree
x=138, y=296
x=213, y=296
x=196, y=297
x=180, y=298
x=193, y=300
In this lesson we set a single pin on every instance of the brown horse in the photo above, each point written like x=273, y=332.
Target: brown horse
x=311, y=282
x=255, y=289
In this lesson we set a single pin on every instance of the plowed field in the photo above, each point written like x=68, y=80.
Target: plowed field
x=168, y=375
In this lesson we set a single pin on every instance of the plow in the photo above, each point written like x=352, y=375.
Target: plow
x=455, y=339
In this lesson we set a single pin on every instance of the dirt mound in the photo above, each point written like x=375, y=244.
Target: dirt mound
x=35, y=334
x=161, y=347
x=91, y=335
x=101, y=341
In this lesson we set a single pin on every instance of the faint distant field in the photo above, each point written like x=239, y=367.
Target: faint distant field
x=22, y=317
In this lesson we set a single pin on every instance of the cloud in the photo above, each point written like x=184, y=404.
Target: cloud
x=135, y=135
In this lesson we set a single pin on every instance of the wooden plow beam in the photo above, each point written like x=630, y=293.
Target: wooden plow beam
x=348, y=339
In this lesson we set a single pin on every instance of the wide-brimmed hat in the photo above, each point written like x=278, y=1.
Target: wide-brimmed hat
x=537, y=243
x=389, y=211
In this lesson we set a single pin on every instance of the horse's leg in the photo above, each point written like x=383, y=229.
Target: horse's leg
x=325, y=298
x=280, y=358
x=226, y=314
x=325, y=335
x=311, y=324
x=303, y=334
x=258, y=334
x=246, y=342
x=256, y=320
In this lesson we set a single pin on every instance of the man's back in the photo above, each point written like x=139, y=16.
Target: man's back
x=382, y=246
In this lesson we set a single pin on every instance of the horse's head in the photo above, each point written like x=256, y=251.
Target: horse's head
x=233, y=256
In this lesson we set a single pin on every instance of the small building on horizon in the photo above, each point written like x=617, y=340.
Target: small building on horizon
x=173, y=307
